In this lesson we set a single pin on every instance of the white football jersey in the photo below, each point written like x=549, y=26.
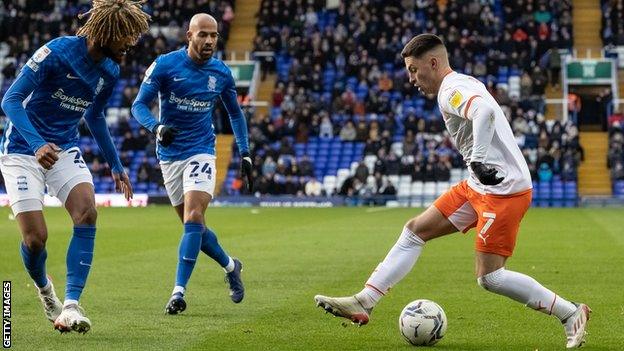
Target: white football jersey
x=455, y=96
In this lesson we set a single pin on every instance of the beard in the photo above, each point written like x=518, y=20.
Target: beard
x=110, y=54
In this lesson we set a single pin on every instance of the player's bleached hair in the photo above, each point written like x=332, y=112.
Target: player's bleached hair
x=111, y=20
x=421, y=44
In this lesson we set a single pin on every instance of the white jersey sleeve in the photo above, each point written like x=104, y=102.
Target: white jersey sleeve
x=456, y=100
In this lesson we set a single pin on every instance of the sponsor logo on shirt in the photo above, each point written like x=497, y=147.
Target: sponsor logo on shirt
x=190, y=105
x=71, y=103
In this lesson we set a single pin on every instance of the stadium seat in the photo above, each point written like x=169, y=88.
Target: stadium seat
x=442, y=187
x=417, y=188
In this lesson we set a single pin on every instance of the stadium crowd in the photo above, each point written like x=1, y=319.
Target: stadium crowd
x=612, y=29
x=27, y=25
x=340, y=77
x=342, y=83
x=615, y=159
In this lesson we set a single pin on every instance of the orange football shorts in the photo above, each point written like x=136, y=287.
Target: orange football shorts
x=496, y=217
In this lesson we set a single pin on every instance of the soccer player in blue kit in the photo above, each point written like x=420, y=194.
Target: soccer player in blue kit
x=188, y=82
x=66, y=79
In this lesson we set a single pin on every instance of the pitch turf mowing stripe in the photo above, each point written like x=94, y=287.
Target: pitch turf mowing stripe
x=292, y=254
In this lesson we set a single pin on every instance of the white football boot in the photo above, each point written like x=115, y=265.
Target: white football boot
x=52, y=306
x=72, y=318
x=346, y=307
x=575, y=326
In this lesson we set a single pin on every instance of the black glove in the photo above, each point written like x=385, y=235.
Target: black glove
x=164, y=134
x=246, y=170
x=486, y=175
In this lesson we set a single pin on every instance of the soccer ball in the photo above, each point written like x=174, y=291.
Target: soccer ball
x=422, y=322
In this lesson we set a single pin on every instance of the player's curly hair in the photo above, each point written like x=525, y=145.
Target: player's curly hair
x=111, y=20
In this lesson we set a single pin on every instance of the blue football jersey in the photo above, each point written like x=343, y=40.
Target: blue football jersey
x=66, y=84
x=187, y=94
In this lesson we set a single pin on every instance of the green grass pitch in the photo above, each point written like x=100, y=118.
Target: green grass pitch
x=290, y=255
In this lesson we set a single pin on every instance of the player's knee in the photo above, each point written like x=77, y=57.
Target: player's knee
x=85, y=215
x=194, y=215
x=35, y=240
x=415, y=226
x=492, y=281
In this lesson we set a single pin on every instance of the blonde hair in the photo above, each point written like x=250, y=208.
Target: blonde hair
x=111, y=20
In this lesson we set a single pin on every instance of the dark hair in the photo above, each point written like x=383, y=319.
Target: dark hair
x=421, y=44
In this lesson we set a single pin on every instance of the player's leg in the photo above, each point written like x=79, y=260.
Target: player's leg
x=179, y=209
x=190, y=185
x=173, y=178
x=493, y=276
x=200, y=178
x=80, y=205
x=34, y=255
x=71, y=182
x=25, y=184
x=198, y=184
x=448, y=215
x=497, y=229
x=195, y=204
x=210, y=245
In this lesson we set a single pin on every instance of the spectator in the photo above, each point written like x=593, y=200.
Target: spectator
x=544, y=173
x=144, y=173
x=361, y=131
x=361, y=172
x=129, y=142
x=348, y=132
x=617, y=172
x=313, y=188
x=574, y=106
x=555, y=66
x=326, y=129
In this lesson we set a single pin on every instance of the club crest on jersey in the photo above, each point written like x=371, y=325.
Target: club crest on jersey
x=456, y=99
x=99, y=86
x=212, y=83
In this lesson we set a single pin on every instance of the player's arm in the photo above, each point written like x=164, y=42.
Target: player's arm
x=141, y=105
x=96, y=121
x=32, y=74
x=483, y=127
x=239, y=126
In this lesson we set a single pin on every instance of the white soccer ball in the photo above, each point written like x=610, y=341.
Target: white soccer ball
x=422, y=322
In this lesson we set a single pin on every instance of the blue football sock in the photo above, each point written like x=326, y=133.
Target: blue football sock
x=210, y=246
x=35, y=265
x=79, y=258
x=187, y=254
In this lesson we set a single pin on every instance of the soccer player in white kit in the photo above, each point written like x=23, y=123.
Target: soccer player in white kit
x=493, y=199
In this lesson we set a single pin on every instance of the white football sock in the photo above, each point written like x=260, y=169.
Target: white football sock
x=394, y=267
x=70, y=302
x=230, y=266
x=46, y=289
x=524, y=289
x=178, y=289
